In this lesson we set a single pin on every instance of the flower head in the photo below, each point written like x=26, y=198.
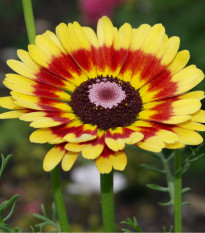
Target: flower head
x=95, y=93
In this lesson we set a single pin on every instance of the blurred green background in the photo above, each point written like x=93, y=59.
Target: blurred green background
x=24, y=174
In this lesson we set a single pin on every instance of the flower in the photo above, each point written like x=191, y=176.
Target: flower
x=94, y=94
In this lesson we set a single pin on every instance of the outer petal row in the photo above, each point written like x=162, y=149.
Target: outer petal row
x=107, y=161
x=55, y=155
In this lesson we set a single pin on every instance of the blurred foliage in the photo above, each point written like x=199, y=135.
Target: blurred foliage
x=8, y=205
x=46, y=221
x=132, y=224
x=7, y=209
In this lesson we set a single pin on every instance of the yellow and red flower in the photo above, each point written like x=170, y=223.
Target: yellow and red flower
x=96, y=92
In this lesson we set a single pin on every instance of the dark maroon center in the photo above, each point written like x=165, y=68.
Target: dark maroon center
x=106, y=102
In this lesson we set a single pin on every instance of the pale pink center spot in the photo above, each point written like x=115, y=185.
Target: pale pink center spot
x=106, y=94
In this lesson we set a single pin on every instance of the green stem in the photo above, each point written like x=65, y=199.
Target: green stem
x=106, y=185
x=168, y=175
x=177, y=192
x=55, y=177
x=29, y=20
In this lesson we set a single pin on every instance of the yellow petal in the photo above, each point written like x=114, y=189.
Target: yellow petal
x=153, y=144
x=38, y=55
x=199, y=95
x=139, y=35
x=154, y=39
x=124, y=37
x=188, y=137
x=147, y=115
x=19, y=83
x=77, y=37
x=179, y=61
x=53, y=158
x=21, y=68
x=134, y=138
x=27, y=60
x=124, y=135
x=119, y=161
x=52, y=36
x=74, y=147
x=192, y=125
x=92, y=151
x=199, y=116
x=68, y=160
x=177, y=119
x=8, y=102
x=33, y=102
x=71, y=137
x=187, y=78
x=175, y=145
x=12, y=114
x=91, y=35
x=42, y=136
x=82, y=136
x=115, y=144
x=56, y=140
x=105, y=32
x=45, y=122
x=32, y=116
x=168, y=50
x=47, y=46
x=167, y=136
x=186, y=106
x=62, y=34
x=104, y=165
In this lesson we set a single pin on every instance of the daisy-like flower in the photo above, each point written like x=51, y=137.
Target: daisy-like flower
x=96, y=92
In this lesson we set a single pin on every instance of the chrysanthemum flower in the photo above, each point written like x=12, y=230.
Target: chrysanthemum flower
x=95, y=93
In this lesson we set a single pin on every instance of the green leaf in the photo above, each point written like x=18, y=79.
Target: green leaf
x=125, y=230
x=187, y=163
x=186, y=189
x=132, y=223
x=4, y=161
x=197, y=157
x=41, y=217
x=46, y=220
x=165, y=204
x=170, y=157
x=41, y=225
x=157, y=187
x=6, y=204
x=43, y=210
x=12, y=208
x=7, y=228
x=184, y=167
x=186, y=203
x=193, y=150
x=54, y=212
x=152, y=168
x=170, y=230
x=32, y=229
